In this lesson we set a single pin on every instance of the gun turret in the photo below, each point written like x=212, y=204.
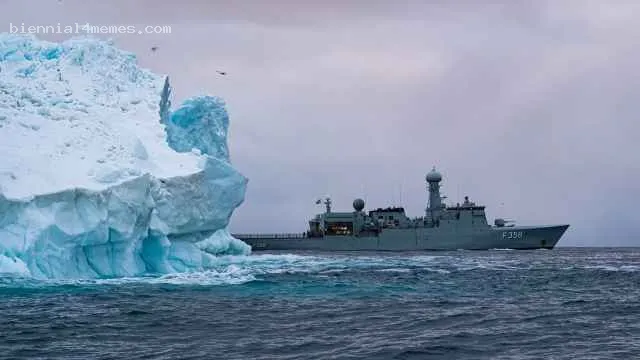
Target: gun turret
x=499, y=222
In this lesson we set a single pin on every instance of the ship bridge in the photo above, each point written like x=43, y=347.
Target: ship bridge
x=390, y=217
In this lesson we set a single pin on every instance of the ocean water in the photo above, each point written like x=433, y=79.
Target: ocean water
x=567, y=303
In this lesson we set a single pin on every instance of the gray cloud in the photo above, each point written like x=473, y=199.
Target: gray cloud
x=528, y=107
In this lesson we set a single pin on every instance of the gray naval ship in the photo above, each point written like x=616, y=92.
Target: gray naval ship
x=460, y=227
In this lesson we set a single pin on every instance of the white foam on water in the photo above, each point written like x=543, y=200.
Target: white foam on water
x=624, y=268
x=241, y=269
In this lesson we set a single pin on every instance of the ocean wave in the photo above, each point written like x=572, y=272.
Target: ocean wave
x=242, y=269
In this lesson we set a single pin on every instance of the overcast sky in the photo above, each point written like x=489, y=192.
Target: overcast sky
x=529, y=107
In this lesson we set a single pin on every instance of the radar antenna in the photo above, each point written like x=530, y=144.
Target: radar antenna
x=327, y=203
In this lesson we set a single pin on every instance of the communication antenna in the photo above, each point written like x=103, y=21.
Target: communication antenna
x=327, y=204
x=393, y=198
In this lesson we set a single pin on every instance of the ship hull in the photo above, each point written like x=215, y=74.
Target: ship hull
x=517, y=237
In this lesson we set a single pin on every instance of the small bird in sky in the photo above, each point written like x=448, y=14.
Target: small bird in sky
x=154, y=48
x=221, y=72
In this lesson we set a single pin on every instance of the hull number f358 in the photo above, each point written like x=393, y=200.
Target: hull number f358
x=512, y=235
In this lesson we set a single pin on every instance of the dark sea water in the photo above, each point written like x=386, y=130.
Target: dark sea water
x=558, y=304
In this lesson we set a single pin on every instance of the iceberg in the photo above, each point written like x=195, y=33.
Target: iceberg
x=99, y=177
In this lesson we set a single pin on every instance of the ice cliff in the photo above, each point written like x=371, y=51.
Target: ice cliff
x=99, y=177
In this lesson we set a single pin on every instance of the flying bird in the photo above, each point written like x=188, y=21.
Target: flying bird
x=154, y=48
x=221, y=72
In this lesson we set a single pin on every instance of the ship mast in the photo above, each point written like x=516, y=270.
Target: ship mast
x=433, y=179
x=327, y=204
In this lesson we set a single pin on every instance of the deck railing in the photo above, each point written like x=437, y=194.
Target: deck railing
x=270, y=236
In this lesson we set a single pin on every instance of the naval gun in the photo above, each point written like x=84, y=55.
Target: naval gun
x=499, y=222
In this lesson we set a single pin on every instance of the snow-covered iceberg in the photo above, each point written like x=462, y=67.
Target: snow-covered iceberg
x=99, y=177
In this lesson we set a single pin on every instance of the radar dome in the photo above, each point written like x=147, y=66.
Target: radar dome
x=358, y=204
x=433, y=176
